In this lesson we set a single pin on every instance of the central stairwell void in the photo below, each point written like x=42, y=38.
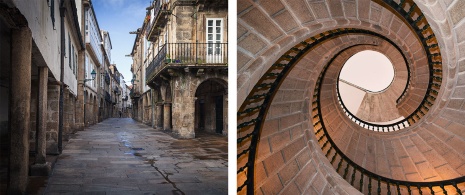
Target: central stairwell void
x=368, y=88
x=299, y=131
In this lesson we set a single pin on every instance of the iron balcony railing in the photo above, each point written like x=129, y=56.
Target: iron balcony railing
x=107, y=77
x=187, y=54
x=107, y=97
x=134, y=93
x=159, y=19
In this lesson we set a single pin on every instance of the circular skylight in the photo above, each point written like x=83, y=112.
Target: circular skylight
x=369, y=70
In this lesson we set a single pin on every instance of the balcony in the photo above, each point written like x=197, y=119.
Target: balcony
x=116, y=90
x=161, y=12
x=187, y=55
x=107, y=97
x=107, y=78
x=134, y=94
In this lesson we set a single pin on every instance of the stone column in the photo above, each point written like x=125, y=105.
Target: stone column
x=20, y=99
x=53, y=111
x=152, y=108
x=183, y=112
x=41, y=167
x=159, y=115
x=167, y=116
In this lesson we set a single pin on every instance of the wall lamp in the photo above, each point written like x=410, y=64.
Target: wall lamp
x=93, y=74
x=134, y=79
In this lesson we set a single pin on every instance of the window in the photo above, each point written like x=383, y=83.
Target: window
x=86, y=66
x=102, y=80
x=214, y=39
x=75, y=64
x=71, y=54
x=69, y=51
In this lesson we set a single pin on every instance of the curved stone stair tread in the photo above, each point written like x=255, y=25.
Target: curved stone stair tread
x=348, y=138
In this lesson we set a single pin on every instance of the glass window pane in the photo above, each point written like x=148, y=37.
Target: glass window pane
x=210, y=23
x=218, y=37
x=210, y=29
x=218, y=23
x=218, y=29
x=210, y=37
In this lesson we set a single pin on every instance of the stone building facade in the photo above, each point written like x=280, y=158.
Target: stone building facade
x=180, y=67
x=105, y=81
x=46, y=88
x=294, y=134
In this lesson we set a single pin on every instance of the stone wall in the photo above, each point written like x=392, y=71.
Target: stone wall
x=69, y=115
x=53, y=94
x=33, y=119
x=184, y=89
x=184, y=23
x=268, y=29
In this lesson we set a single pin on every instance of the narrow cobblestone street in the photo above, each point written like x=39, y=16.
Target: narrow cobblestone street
x=122, y=156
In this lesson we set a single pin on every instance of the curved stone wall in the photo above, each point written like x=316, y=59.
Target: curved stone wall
x=288, y=158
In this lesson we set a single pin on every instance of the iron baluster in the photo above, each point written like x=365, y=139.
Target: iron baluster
x=398, y=188
x=339, y=165
x=456, y=188
x=379, y=186
x=334, y=157
x=353, y=176
x=242, y=186
x=361, y=180
x=329, y=150
x=346, y=170
x=369, y=185
x=443, y=190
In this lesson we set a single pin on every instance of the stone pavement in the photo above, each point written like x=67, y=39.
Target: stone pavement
x=122, y=156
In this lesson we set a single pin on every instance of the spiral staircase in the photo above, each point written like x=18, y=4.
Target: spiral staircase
x=296, y=135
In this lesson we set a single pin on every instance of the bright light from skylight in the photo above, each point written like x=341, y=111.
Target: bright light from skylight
x=368, y=69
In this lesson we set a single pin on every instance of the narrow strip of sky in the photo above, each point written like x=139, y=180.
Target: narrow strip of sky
x=119, y=17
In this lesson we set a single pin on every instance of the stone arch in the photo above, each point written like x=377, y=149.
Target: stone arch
x=211, y=106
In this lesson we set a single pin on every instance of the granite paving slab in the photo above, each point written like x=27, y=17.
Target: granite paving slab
x=122, y=156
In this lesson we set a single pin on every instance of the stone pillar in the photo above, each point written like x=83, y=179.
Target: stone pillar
x=153, y=119
x=167, y=116
x=41, y=167
x=159, y=116
x=53, y=100
x=183, y=116
x=20, y=99
x=79, y=114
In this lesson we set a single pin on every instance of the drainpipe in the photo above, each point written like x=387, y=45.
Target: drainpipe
x=62, y=66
